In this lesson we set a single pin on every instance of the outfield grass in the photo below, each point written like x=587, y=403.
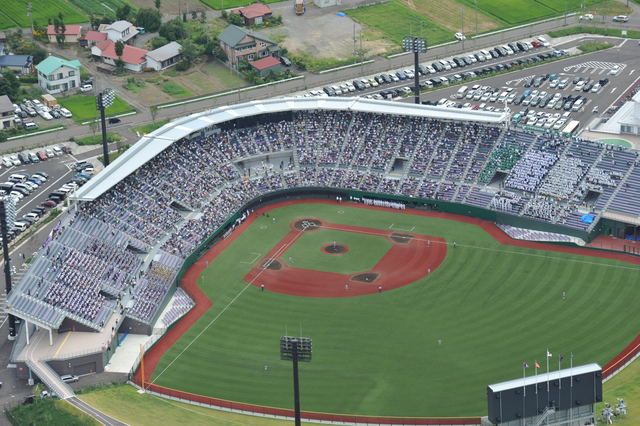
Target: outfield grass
x=84, y=107
x=309, y=256
x=391, y=19
x=42, y=10
x=493, y=307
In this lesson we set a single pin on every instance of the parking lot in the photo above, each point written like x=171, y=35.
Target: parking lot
x=32, y=114
x=593, y=66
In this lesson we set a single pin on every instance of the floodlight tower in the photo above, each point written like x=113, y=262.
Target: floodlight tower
x=104, y=100
x=416, y=45
x=7, y=223
x=295, y=349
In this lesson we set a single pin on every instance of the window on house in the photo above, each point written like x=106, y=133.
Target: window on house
x=238, y=49
x=250, y=56
x=73, y=83
x=60, y=76
x=263, y=44
x=264, y=53
x=72, y=73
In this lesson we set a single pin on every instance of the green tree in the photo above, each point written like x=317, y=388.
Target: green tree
x=119, y=48
x=149, y=18
x=154, y=113
x=173, y=30
x=236, y=19
x=184, y=17
x=3, y=136
x=203, y=16
x=123, y=12
x=223, y=14
x=10, y=85
x=194, y=14
x=158, y=4
x=60, y=29
x=190, y=51
x=158, y=42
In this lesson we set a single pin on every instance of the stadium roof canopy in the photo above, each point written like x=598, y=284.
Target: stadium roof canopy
x=544, y=377
x=154, y=143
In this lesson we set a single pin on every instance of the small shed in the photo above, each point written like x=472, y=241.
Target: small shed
x=49, y=100
x=265, y=65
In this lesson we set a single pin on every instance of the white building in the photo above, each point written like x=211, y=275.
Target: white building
x=57, y=75
x=164, y=57
x=119, y=30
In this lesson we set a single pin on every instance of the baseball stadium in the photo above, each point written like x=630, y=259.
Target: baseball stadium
x=426, y=253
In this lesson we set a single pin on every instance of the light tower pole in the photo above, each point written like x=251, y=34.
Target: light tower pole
x=104, y=100
x=416, y=45
x=7, y=219
x=30, y=9
x=295, y=349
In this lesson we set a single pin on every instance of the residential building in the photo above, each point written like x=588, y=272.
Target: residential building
x=2, y=50
x=133, y=57
x=56, y=75
x=164, y=57
x=7, y=112
x=3, y=37
x=240, y=44
x=254, y=14
x=120, y=30
x=19, y=64
x=92, y=38
x=326, y=3
x=71, y=35
x=265, y=65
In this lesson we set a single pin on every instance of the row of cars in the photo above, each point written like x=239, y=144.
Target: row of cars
x=441, y=66
x=542, y=119
x=34, y=108
x=33, y=157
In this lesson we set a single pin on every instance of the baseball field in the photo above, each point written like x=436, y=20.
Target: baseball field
x=494, y=303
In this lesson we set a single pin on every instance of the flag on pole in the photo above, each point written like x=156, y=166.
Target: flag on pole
x=548, y=356
x=537, y=366
x=548, y=353
x=560, y=371
x=526, y=365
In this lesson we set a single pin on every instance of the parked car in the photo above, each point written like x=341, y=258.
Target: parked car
x=620, y=18
x=86, y=87
x=285, y=61
x=460, y=36
x=69, y=378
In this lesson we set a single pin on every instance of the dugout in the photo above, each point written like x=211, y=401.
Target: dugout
x=566, y=397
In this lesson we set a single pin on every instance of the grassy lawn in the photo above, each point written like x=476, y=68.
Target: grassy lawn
x=221, y=74
x=309, y=256
x=625, y=385
x=593, y=47
x=391, y=18
x=176, y=90
x=97, y=139
x=96, y=6
x=514, y=12
x=594, y=30
x=84, y=107
x=490, y=304
x=125, y=404
x=6, y=22
x=148, y=128
x=16, y=10
x=52, y=413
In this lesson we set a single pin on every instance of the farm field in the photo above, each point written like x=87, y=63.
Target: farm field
x=493, y=307
x=98, y=6
x=391, y=18
x=42, y=11
x=84, y=107
x=517, y=11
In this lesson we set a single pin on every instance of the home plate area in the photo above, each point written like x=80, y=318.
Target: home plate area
x=411, y=257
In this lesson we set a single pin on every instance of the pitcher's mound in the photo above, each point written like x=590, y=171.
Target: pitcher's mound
x=307, y=225
x=401, y=238
x=367, y=277
x=338, y=249
x=272, y=264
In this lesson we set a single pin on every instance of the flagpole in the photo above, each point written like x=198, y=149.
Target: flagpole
x=524, y=380
x=547, y=371
x=536, y=377
x=559, y=372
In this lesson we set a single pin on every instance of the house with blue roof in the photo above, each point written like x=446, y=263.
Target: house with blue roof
x=19, y=64
x=56, y=75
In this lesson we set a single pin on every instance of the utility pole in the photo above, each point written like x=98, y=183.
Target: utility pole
x=361, y=64
x=565, y=12
x=7, y=218
x=354, y=43
x=30, y=9
x=476, y=18
x=462, y=12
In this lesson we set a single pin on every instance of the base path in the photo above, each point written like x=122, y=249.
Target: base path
x=408, y=260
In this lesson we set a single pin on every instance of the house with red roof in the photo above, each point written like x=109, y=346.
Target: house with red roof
x=264, y=65
x=254, y=14
x=91, y=38
x=71, y=35
x=133, y=57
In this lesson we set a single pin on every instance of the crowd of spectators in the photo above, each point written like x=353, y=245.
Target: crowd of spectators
x=527, y=174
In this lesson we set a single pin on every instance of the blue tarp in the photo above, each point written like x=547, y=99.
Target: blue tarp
x=341, y=14
x=587, y=218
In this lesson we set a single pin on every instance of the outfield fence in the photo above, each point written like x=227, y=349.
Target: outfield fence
x=624, y=358
x=258, y=410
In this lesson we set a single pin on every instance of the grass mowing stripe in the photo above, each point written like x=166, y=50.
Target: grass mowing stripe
x=209, y=325
x=492, y=306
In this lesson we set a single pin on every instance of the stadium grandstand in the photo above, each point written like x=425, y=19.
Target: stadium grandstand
x=121, y=247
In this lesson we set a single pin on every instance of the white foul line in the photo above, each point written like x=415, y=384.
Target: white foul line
x=401, y=229
x=257, y=256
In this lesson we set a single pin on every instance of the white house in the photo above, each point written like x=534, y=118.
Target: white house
x=119, y=30
x=164, y=57
x=57, y=75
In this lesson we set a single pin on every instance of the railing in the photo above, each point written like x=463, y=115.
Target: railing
x=541, y=418
x=74, y=355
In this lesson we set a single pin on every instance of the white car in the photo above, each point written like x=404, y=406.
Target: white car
x=587, y=17
x=351, y=87
x=86, y=87
x=14, y=159
x=65, y=113
x=460, y=36
x=6, y=162
x=615, y=70
x=544, y=41
x=558, y=125
x=595, y=88
x=17, y=195
x=409, y=73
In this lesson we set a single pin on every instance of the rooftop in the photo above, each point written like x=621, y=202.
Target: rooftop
x=265, y=63
x=15, y=60
x=94, y=36
x=165, y=52
x=5, y=104
x=130, y=54
x=253, y=10
x=52, y=63
x=233, y=35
